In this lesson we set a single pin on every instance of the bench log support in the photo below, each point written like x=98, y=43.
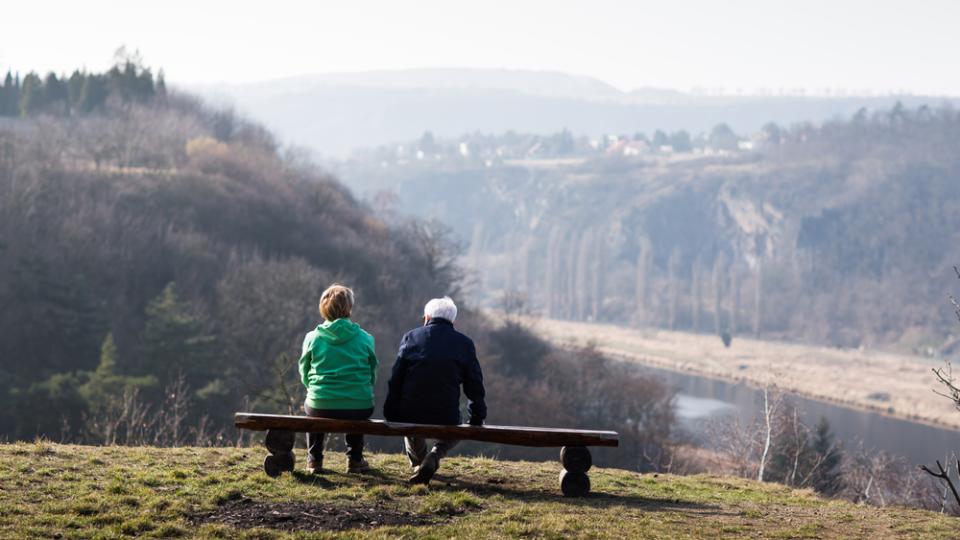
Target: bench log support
x=279, y=443
x=576, y=461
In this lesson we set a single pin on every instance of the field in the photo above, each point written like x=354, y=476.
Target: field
x=893, y=384
x=59, y=491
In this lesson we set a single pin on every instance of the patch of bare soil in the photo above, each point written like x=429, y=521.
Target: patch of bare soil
x=307, y=516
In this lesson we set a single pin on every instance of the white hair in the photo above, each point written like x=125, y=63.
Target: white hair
x=441, y=308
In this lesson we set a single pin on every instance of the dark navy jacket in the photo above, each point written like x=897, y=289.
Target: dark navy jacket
x=433, y=362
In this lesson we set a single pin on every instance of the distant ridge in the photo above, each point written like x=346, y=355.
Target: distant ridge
x=535, y=83
x=337, y=113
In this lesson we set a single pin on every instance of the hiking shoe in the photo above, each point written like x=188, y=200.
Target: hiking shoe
x=357, y=466
x=426, y=470
x=315, y=467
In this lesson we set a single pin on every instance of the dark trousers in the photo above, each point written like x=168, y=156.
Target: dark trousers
x=354, y=440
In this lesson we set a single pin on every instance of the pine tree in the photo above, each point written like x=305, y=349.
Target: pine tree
x=4, y=92
x=31, y=94
x=56, y=95
x=161, y=85
x=106, y=384
x=10, y=98
x=93, y=93
x=827, y=478
x=175, y=343
x=75, y=89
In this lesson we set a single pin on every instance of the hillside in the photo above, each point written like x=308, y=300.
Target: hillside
x=178, y=252
x=163, y=242
x=56, y=491
x=840, y=234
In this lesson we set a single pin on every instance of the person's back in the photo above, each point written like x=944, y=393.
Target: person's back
x=438, y=360
x=433, y=362
x=338, y=368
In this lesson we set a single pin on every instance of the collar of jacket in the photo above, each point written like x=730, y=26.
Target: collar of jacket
x=438, y=320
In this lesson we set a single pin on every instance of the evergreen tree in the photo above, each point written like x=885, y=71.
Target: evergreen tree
x=4, y=92
x=660, y=139
x=175, y=343
x=105, y=384
x=13, y=103
x=128, y=79
x=31, y=95
x=161, y=85
x=680, y=141
x=93, y=93
x=75, y=90
x=56, y=95
x=827, y=477
x=723, y=138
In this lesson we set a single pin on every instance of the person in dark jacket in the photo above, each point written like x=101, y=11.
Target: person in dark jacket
x=434, y=361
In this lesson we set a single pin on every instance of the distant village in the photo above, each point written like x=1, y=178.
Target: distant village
x=565, y=148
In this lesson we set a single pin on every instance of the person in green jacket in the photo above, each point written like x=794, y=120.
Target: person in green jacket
x=338, y=367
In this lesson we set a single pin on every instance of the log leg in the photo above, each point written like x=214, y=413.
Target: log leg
x=576, y=461
x=279, y=443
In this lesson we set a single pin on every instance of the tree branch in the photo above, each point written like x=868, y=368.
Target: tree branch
x=943, y=475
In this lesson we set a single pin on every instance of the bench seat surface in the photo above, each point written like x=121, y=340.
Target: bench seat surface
x=513, y=435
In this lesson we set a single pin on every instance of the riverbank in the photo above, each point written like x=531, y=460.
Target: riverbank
x=901, y=386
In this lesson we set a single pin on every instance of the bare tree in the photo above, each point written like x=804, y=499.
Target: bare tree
x=758, y=298
x=642, y=280
x=945, y=377
x=695, y=294
x=769, y=412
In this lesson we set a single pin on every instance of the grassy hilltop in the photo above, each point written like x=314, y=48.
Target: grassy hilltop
x=62, y=491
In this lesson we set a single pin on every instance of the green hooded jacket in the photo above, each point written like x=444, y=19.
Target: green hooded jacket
x=339, y=366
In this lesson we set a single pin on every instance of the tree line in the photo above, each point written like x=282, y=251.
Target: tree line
x=81, y=92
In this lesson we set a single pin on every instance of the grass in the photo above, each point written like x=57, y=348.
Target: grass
x=58, y=491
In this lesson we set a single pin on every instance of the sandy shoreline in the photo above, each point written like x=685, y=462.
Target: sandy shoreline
x=900, y=386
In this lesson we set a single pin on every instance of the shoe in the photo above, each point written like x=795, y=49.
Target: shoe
x=315, y=467
x=357, y=466
x=426, y=470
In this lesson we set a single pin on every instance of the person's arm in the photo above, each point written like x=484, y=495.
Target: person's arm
x=306, y=357
x=395, y=385
x=473, y=388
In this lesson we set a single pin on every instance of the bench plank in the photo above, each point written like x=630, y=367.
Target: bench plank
x=515, y=435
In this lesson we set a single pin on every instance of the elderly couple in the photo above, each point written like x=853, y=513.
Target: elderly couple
x=338, y=367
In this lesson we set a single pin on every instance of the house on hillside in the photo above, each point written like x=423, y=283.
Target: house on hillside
x=628, y=148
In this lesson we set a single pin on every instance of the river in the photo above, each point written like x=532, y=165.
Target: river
x=700, y=398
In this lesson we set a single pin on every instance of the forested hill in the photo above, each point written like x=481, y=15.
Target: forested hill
x=161, y=261
x=841, y=234
x=152, y=249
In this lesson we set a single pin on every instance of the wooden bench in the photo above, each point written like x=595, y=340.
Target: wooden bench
x=574, y=455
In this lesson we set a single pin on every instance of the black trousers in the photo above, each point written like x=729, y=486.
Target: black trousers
x=354, y=440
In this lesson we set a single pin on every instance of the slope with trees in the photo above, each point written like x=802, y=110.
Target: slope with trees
x=835, y=234
x=161, y=260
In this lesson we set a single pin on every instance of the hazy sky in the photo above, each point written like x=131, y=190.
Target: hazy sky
x=738, y=46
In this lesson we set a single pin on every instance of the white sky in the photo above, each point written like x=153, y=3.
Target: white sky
x=856, y=46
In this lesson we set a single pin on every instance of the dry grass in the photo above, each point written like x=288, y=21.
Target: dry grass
x=858, y=378
x=58, y=491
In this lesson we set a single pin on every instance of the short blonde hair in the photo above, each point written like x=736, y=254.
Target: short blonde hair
x=336, y=302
